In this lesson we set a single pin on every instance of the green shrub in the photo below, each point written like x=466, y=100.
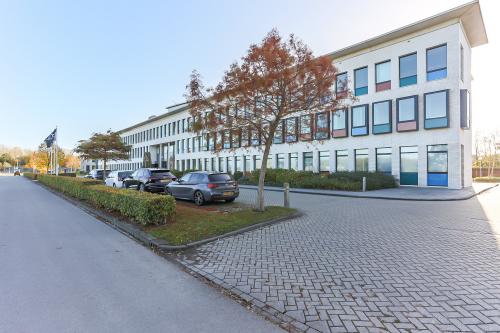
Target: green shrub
x=68, y=174
x=30, y=175
x=345, y=181
x=179, y=174
x=144, y=208
x=487, y=179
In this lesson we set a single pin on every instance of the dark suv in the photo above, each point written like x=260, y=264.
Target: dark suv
x=202, y=186
x=149, y=179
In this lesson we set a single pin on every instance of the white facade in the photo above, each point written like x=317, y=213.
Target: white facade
x=458, y=29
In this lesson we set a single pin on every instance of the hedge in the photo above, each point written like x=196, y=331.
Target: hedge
x=345, y=181
x=487, y=179
x=30, y=175
x=141, y=207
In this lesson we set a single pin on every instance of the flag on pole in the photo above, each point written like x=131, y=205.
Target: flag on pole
x=51, y=138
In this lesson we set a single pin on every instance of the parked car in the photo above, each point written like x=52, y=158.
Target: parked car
x=116, y=178
x=149, y=179
x=97, y=174
x=17, y=173
x=203, y=186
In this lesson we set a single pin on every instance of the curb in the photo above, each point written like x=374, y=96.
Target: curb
x=153, y=242
x=299, y=191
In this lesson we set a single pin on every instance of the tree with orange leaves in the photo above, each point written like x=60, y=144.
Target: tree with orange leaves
x=275, y=79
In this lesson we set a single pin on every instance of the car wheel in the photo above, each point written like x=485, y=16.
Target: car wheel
x=199, y=199
x=229, y=200
x=142, y=188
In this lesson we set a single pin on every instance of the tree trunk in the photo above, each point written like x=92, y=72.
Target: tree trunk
x=262, y=177
x=104, y=171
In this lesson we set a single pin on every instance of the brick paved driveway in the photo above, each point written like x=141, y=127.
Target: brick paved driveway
x=365, y=265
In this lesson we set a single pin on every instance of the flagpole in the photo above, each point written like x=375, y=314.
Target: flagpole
x=57, y=160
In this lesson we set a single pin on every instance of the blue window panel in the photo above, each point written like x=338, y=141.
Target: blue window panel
x=408, y=178
x=436, y=75
x=361, y=91
x=437, y=179
x=436, y=123
x=408, y=81
x=359, y=131
x=383, y=128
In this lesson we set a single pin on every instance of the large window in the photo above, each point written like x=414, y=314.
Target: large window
x=382, y=117
x=436, y=109
x=257, y=162
x=293, y=161
x=278, y=134
x=437, y=165
x=247, y=166
x=384, y=160
x=322, y=128
x=255, y=137
x=226, y=139
x=307, y=161
x=306, y=127
x=324, y=161
x=436, y=63
x=407, y=113
x=230, y=164
x=408, y=70
x=408, y=168
x=383, y=76
x=221, y=164
x=280, y=161
x=291, y=129
x=269, y=163
x=359, y=120
x=341, y=160
x=361, y=160
x=341, y=85
x=339, y=123
x=244, y=137
x=464, y=108
x=361, y=81
x=239, y=163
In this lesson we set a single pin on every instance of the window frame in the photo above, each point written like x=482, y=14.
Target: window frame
x=341, y=93
x=337, y=158
x=447, y=116
x=439, y=69
x=296, y=130
x=390, y=118
x=382, y=86
x=415, y=113
x=382, y=154
x=311, y=154
x=307, y=136
x=438, y=172
x=346, y=125
x=367, y=121
x=355, y=87
x=315, y=127
x=406, y=77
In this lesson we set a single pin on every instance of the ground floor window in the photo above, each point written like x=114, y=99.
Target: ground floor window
x=437, y=165
x=361, y=156
x=230, y=164
x=307, y=162
x=324, y=161
x=220, y=167
x=238, y=163
x=408, y=165
x=384, y=160
x=293, y=161
x=257, y=162
x=269, y=164
x=246, y=163
x=341, y=160
x=280, y=161
x=212, y=162
x=206, y=165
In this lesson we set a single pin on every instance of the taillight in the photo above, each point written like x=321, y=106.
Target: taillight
x=211, y=185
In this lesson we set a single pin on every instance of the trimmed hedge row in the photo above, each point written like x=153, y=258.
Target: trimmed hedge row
x=143, y=208
x=30, y=175
x=487, y=179
x=345, y=181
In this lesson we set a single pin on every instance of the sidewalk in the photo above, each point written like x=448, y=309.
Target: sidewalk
x=399, y=193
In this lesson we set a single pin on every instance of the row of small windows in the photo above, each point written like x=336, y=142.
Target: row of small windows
x=159, y=132
x=436, y=62
x=437, y=163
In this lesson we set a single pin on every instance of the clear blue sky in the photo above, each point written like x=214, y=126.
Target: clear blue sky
x=87, y=66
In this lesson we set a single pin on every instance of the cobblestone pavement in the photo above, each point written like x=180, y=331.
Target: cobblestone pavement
x=367, y=265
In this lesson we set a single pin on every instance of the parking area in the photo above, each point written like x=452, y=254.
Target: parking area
x=368, y=265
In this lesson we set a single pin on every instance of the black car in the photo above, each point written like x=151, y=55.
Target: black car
x=149, y=179
x=17, y=173
x=202, y=186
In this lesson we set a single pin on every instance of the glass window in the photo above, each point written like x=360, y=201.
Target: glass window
x=221, y=164
x=278, y=134
x=307, y=161
x=255, y=137
x=408, y=165
x=339, y=119
x=436, y=109
x=461, y=63
x=230, y=164
x=341, y=160
x=361, y=81
x=235, y=138
x=436, y=63
x=408, y=70
x=322, y=128
x=361, y=159
x=341, y=84
x=407, y=108
x=383, y=76
x=306, y=127
x=280, y=161
x=324, y=161
x=291, y=129
x=382, y=113
x=269, y=164
x=244, y=137
x=246, y=163
x=293, y=161
x=384, y=160
x=464, y=108
x=257, y=162
x=359, y=116
x=437, y=165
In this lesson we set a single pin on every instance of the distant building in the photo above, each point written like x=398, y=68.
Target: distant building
x=412, y=118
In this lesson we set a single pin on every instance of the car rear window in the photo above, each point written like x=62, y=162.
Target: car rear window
x=124, y=173
x=162, y=173
x=221, y=177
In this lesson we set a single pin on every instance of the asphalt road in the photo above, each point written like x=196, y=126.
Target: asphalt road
x=61, y=270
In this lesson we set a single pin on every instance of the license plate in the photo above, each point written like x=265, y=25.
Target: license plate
x=228, y=193
x=165, y=181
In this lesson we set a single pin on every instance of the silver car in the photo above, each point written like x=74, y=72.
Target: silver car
x=115, y=178
x=203, y=186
